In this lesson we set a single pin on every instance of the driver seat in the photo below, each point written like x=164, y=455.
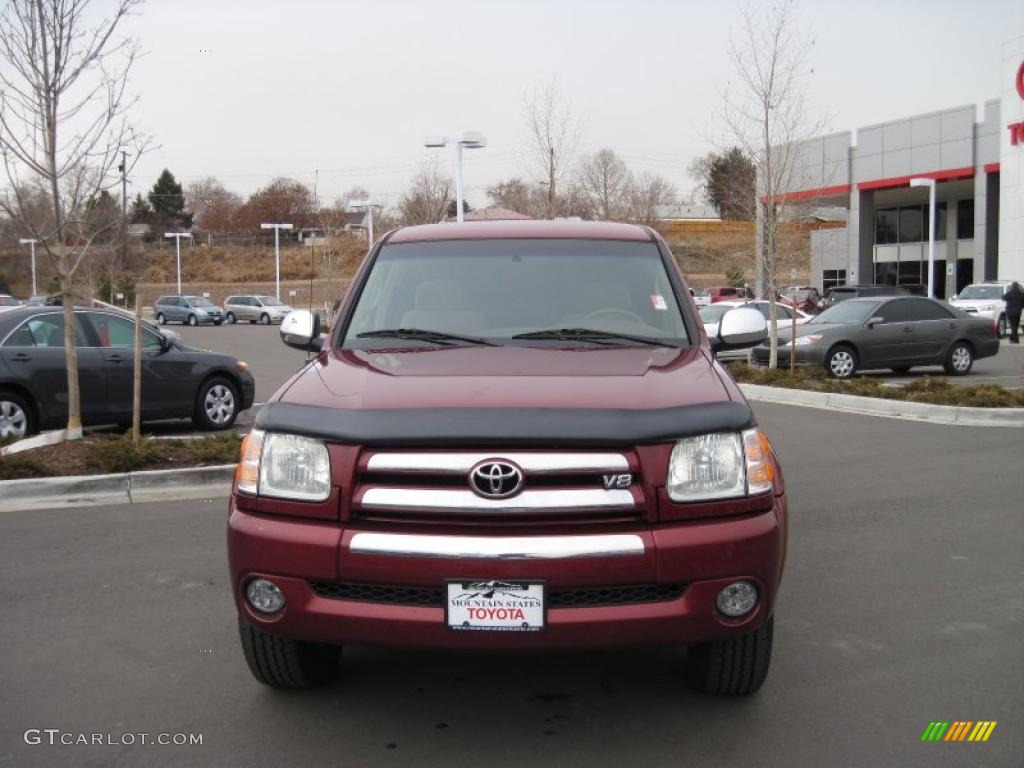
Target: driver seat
x=593, y=297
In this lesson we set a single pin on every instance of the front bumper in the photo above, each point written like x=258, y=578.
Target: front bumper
x=705, y=555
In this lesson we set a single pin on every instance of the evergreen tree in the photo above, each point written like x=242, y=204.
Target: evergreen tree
x=140, y=212
x=167, y=200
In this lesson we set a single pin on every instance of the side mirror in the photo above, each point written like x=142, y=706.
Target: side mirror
x=740, y=328
x=300, y=329
x=873, y=321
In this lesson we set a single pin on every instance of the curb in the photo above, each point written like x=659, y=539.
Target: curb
x=123, y=488
x=957, y=415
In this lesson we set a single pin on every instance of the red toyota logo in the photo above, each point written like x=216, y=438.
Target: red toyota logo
x=1020, y=80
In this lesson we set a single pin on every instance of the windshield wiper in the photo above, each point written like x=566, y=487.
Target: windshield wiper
x=423, y=335
x=589, y=334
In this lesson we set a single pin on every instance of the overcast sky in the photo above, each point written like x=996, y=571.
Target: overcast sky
x=249, y=90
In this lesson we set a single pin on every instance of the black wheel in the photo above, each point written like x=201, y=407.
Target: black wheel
x=216, y=404
x=841, y=362
x=1001, y=327
x=281, y=662
x=230, y=317
x=264, y=319
x=960, y=359
x=160, y=319
x=901, y=369
x=17, y=419
x=192, y=320
x=734, y=667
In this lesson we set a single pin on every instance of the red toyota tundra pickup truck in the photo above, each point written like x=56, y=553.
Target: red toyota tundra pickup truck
x=515, y=437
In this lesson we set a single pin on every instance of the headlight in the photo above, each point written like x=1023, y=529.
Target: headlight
x=723, y=465
x=803, y=341
x=284, y=466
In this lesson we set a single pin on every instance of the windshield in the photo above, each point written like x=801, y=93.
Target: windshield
x=847, y=313
x=499, y=289
x=976, y=292
x=199, y=301
x=270, y=301
x=713, y=313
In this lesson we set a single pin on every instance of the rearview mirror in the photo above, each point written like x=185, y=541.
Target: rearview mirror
x=739, y=328
x=300, y=329
x=872, y=322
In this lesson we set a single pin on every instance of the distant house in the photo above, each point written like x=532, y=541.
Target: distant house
x=491, y=213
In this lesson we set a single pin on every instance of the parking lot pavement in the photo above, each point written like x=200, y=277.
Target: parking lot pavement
x=1005, y=369
x=901, y=605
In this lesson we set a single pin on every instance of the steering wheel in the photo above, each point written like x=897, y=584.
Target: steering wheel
x=614, y=311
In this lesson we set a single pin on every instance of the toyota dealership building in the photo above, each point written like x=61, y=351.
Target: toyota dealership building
x=977, y=162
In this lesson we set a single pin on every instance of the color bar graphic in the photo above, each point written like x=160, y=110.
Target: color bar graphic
x=958, y=730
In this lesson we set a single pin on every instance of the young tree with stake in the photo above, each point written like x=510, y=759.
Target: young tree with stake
x=63, y=125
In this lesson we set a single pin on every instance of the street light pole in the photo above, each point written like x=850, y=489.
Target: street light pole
x=32, y=243
x=177, y=242
x=469, y=140
x=277, y=252
x=931, y=184
x=369, y=205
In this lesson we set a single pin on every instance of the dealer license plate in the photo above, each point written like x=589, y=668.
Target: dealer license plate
x=495, y=605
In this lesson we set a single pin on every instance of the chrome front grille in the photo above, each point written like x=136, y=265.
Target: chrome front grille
x=434, y=485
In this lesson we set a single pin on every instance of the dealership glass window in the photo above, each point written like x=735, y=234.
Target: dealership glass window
x=941, y=215
x=886, y=226
x=909, y=273
x=886, y=273
x=831, y=278
x=912, y=227
x=965, y=219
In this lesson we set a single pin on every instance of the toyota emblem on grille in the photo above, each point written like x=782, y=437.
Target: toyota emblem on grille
x=496, y=479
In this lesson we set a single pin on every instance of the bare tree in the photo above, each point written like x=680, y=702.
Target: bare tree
x=768, y=117
x=606, y=182
x=553, y=135
x=63, y=124
x=650, y=192
x=426, y=201
x=520, y=196
x=212, y=204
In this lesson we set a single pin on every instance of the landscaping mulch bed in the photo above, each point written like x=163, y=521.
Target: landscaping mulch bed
x=103, y=454
x=928, y=389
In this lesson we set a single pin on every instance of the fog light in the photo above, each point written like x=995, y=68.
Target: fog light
x=737, y=599
x=264, y=596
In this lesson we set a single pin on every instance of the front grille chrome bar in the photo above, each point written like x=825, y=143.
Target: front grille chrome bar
x=497, y=547
x=462, y=462
x=458, y=500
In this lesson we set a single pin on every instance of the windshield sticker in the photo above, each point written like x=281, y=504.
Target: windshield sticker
x=659, y=302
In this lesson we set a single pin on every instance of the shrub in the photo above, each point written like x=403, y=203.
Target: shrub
x=735, y=276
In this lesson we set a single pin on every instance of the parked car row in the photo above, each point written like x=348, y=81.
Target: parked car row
x=895, y=332
x=177, y=382
x=199, y=310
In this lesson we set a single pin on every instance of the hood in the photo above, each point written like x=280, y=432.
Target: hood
x=975, y=303
x=509, y=377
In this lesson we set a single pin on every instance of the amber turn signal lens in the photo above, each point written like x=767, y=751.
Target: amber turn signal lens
x=247, y=474
x=759, y=453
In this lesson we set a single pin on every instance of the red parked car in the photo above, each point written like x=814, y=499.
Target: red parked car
x=721, y=293
x=515, y=437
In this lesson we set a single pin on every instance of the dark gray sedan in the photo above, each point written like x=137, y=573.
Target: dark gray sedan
x=177, y=382
x=896, y=333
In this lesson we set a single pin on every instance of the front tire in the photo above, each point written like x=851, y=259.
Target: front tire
x=734, y=667
x=281, y=662
x=264, y=319
x=1001, y=327
x=17, y=419
x=192, y=320
x=230, y=317
x=841, y=362
x=960, y=359
x=217, y=404
x=160, y=319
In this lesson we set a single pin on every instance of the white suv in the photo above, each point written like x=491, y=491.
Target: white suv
x=985, y=300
